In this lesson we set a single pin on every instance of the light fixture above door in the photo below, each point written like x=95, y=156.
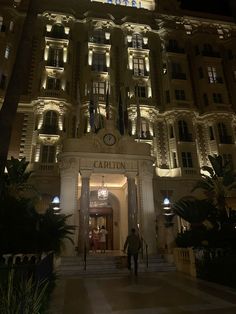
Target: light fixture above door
x=103, y=191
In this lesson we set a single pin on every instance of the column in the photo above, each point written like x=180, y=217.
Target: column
x=84, y=212
x=132, y=201
x=69, y=202
x=147, y=208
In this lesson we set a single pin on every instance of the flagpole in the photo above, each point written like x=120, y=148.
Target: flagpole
x=77, y=116
x=138, y=121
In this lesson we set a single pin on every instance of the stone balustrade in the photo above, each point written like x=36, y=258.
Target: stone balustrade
x=185, y=261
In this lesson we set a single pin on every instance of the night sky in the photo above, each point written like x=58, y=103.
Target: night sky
x=212, y=6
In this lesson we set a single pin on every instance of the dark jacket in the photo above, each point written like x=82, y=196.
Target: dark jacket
x=133, y=243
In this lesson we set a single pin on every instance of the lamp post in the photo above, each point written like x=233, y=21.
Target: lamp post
x=168, y=212
x=168, y=216
x=56, y=205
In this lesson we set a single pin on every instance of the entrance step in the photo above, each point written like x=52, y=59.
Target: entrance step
x=99, y=265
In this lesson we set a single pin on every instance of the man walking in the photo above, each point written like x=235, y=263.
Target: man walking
x=134, y=244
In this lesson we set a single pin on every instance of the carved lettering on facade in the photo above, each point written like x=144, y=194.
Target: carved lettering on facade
x=108, y=164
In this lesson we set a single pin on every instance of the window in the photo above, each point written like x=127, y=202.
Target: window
x=48, y=154
x=176, y=67
x=174, y=160
x=53, y=83
x=187, y=161
x=98, y=36
x=144, y=129
x=137, y=41
x=99, y=62
x=180, y=94
x=183, y=131
x=212, y=76
x=211, y=133
x=58, y=31
x=217, y=98
x=99, y=89
x=205, y=99
x=207, y=48
x=223, y=134
x=55, y=57
x=139, y=66
x=172, y=43
x=140, y=91
x=51, y=118
x=171, y=131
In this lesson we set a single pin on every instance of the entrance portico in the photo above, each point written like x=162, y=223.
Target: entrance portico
x=128, y=166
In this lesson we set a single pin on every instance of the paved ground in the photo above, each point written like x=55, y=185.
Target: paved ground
x=158, y=293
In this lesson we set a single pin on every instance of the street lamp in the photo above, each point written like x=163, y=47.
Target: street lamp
x=168, y=212
x=56, y=205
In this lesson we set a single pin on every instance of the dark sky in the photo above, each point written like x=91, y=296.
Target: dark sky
x=212, y=6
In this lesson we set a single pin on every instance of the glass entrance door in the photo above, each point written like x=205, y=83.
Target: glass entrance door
x=99, y=217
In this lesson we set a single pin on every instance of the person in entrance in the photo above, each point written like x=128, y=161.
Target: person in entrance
x=103, y=233
x=133, y=243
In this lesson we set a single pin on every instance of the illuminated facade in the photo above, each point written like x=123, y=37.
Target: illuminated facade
x=171, y=72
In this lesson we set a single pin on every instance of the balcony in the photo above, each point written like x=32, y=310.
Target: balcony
x=175, y=49
x=140, y=73
x=178, y=76
x=53, y=93
x=212, y=54
x=226, y=139
x=186, y=138
x=49, y=129
x=99, y=68
x=57, y=35
x=55, y=63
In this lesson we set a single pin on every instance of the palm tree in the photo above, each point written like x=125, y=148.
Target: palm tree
x=15, y=85
x=194, y=211
x=217, y=181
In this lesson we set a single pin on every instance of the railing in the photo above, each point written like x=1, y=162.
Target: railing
x=185, y=261
x=144, y=251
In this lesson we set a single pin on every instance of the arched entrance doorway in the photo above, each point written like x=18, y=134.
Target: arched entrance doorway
x=102, y=216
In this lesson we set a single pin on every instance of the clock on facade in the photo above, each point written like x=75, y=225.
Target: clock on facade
x=109, y=139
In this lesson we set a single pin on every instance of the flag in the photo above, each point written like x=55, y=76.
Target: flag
x=121, y=116
x=107, y=104
x=138, y=120
x=78, y=105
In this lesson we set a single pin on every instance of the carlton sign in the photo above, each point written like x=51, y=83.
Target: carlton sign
x=105, y=164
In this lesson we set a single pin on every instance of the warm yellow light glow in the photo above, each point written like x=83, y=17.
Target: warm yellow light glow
x=49, y=27
x=147, y=64
x=67, y=30
x=65, y=54
x=107, y=59
x=131, y=62
x=60, y=122
x=46, y=51
x=90, y=57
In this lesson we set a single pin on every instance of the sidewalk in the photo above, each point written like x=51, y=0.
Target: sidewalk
x=152, y=293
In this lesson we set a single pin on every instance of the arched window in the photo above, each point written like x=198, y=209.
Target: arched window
x=58, y=31
x=50, y=123
x=137, y=41
x=183, y=130
x=145, y=129
x=98, y=36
